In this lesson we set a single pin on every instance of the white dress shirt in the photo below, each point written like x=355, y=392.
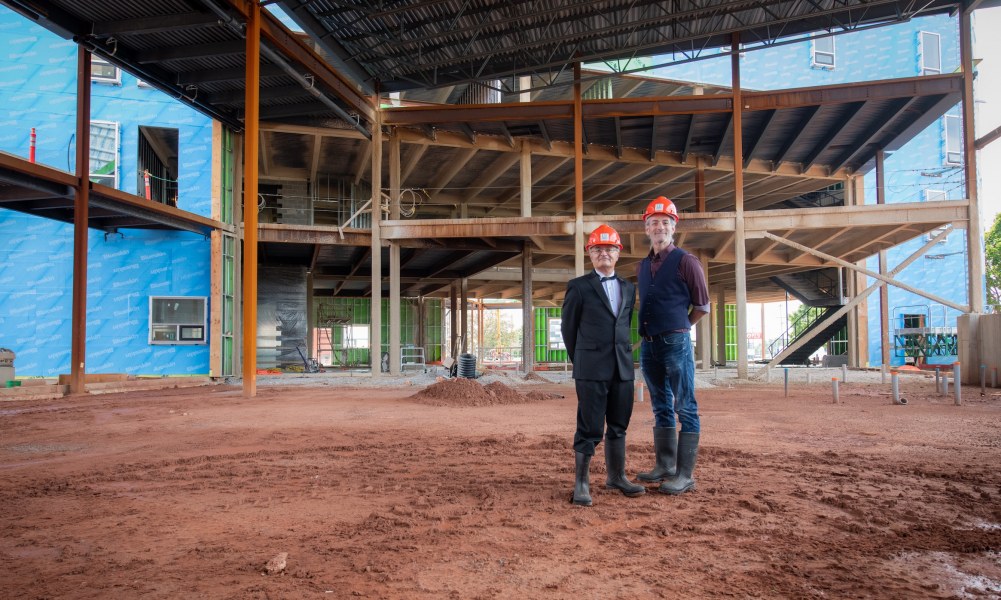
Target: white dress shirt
x=612, y=290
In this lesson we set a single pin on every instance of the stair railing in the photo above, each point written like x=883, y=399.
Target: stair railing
x=801, y=324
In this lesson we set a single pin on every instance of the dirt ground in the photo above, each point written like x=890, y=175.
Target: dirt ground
x=374, y=493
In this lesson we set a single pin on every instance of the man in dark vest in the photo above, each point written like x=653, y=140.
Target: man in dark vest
x=597, y=312
x=673, y=297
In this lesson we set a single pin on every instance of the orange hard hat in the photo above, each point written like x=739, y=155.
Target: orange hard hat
x=661, y=206
x=603, y=235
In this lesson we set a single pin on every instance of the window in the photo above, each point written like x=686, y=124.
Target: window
x=101, y=71
x=953, y=131
x=930, y=53
x=157, y=164
x=823, y=53
x=934, y=196
x=104, y=153
x=357, y=336
x=177, y=320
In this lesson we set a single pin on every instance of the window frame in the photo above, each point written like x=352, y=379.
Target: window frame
x=923, y=69
x=182, y=332
x=936, y=196
x=95, y=77
x=114, y=125
x=952, y=156
x=815, y=52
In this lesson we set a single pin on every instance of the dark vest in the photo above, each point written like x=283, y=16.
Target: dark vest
x=664, y=299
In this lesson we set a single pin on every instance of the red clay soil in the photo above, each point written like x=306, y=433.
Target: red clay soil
x=372, y=493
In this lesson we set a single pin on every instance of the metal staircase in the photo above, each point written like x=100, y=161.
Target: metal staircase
x=816, y=337
x=821, y=290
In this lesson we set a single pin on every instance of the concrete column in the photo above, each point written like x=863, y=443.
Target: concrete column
x=454, y=320
x=527, y=325
x=721, y=325
x=704, y=328
x=395, y=359
x=464, y=312
x=375, y=335
x=526, y=179
x=740, y=245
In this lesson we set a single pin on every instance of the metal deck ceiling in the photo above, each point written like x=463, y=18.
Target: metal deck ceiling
x=403, y=44
x=195, y=51
x=836, y=127
x=46, y=192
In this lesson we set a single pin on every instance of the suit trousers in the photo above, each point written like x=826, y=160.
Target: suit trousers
x=599, y=402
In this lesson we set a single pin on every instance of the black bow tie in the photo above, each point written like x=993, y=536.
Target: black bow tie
x=604, y=279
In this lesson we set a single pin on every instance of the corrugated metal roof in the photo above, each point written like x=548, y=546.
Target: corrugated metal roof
x=429, y=43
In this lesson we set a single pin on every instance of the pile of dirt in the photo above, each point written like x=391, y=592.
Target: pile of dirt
x=533, y=376
x=468, y=392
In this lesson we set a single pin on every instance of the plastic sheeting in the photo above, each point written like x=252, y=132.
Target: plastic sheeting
x=281, y=315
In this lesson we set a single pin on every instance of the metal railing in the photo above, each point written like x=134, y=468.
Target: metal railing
x=801, y=324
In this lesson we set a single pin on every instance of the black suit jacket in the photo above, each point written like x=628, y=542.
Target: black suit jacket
x=598, y=341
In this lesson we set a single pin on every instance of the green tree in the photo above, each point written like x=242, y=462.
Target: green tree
x=500, y=330
x=992, y=260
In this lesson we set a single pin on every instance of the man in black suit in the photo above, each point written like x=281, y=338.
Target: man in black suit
x=597, y=312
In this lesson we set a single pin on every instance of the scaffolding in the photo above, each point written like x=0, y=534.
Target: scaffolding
x=333, y=337
x=921, y=335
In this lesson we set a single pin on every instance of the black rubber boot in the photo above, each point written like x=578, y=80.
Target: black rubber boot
x=688, y=450
x=665, y=446
x=582, y=483
x=615, y=464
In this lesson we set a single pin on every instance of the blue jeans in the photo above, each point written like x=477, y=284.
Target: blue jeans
x=669, y=369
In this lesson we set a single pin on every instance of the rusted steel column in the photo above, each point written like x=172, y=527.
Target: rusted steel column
x=974, y=233
x=884, y=292
x=251, y=141
x=78, y=342
x=740, y=249
x=578, y=173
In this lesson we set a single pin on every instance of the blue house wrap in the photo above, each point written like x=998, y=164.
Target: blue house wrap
x=38, y=90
